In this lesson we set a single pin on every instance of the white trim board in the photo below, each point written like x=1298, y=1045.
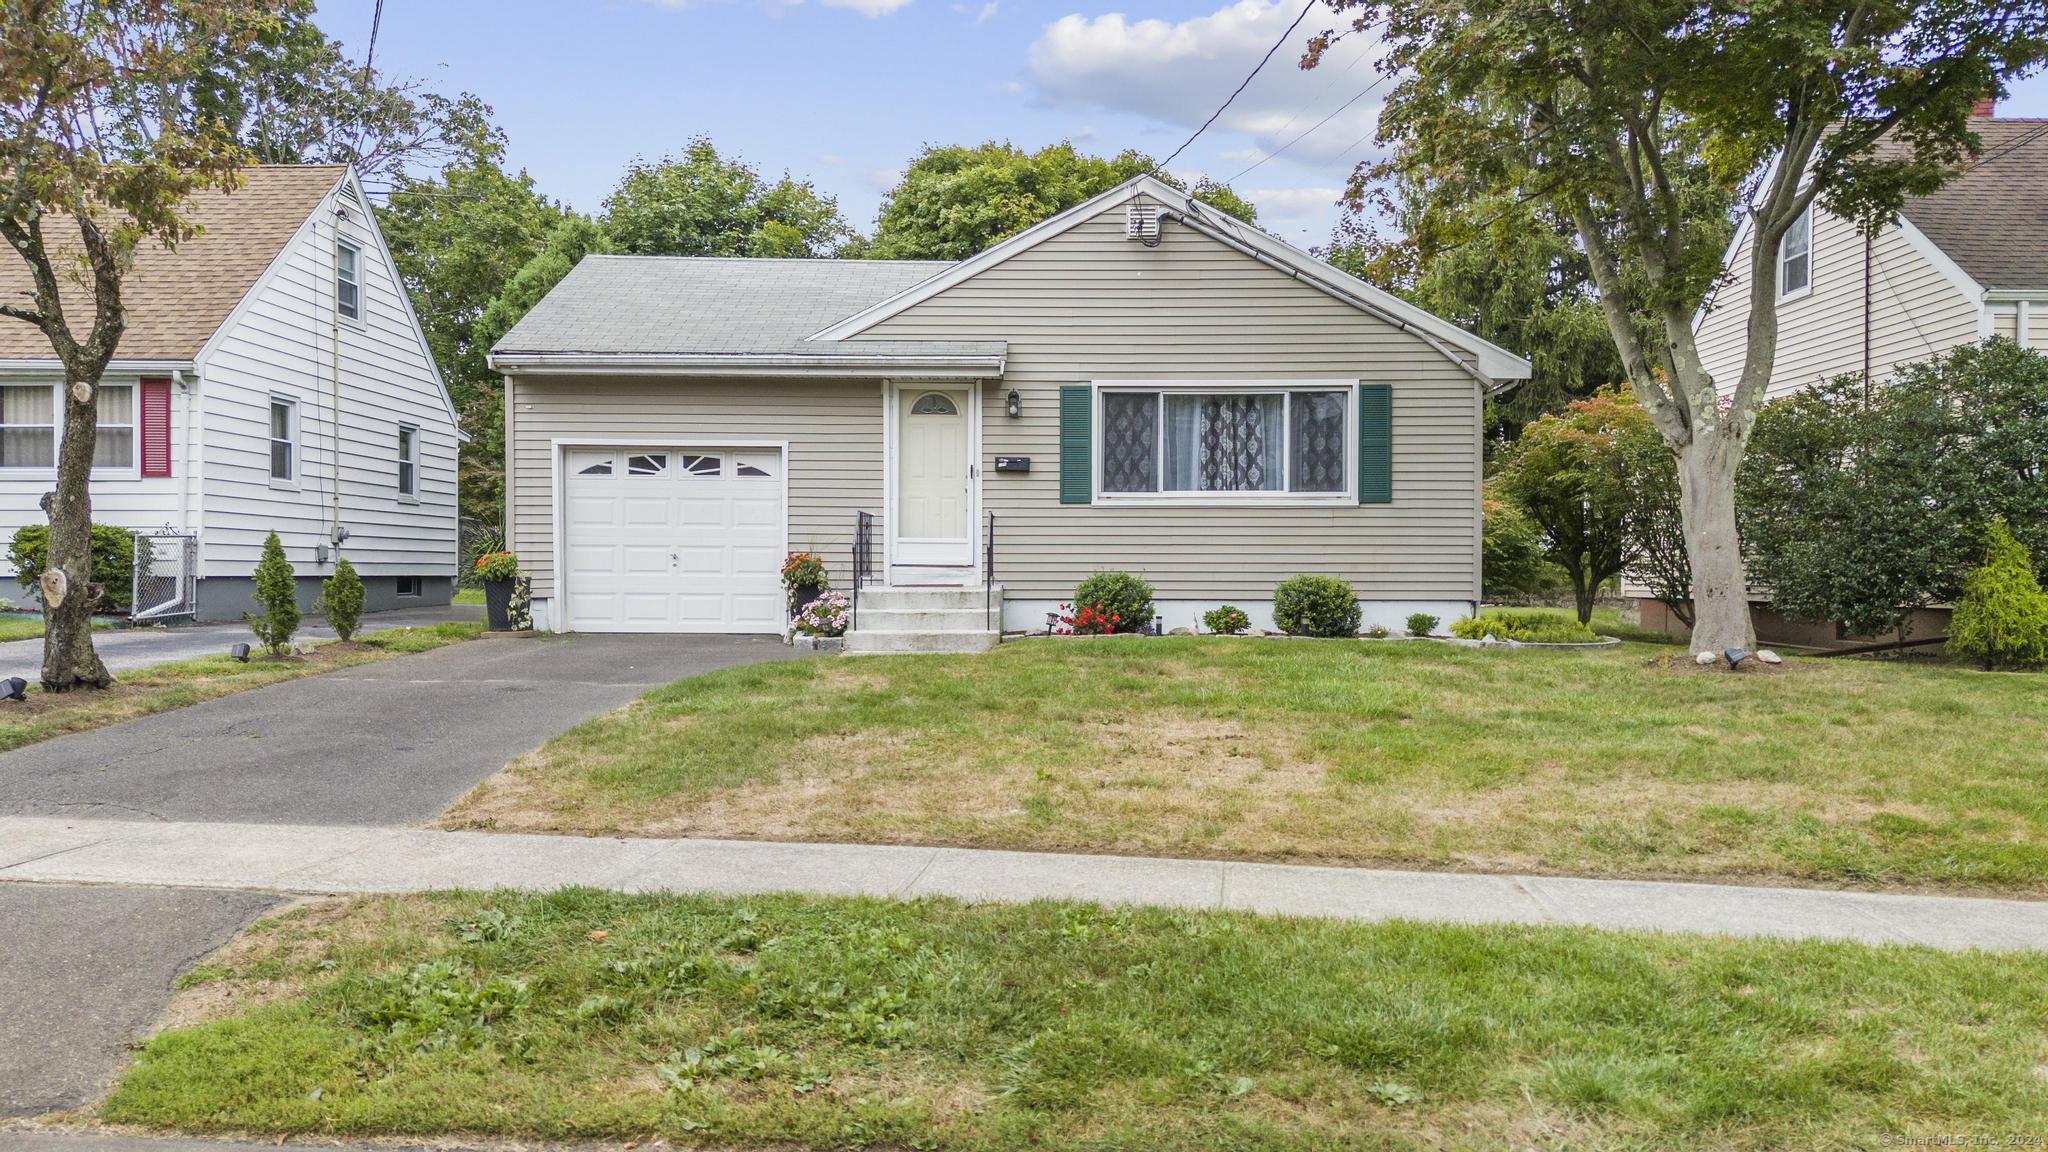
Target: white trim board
x=1345, y=497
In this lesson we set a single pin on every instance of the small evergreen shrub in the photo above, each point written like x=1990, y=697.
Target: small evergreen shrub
x=1524, y=627
x=113, y=561
x=1124, y=598
x=1316, y=606
x=1422, y=624
x=341, y=598
x=2001, y=619
x=277, y=591
x=1226, y=621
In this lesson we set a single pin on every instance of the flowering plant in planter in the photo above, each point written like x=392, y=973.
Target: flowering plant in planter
x=804, y=578
x=499, y=572
x=493, y=566
x=1086, y=622
x=825, y=616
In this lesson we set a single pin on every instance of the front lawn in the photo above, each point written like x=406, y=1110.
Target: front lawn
x=168, y=686
x=813, y=1023
x=1353, y=752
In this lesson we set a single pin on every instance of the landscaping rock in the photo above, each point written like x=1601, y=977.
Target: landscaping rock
x=1705, y=658
x=1182, y=632
x=1256, y=632
x=818, y=643
x=1769, y=657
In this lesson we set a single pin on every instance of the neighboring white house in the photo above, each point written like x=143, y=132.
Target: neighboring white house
x=1139, y=383
x=272, y=377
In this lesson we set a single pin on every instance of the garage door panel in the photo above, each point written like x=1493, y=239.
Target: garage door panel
x=694, y=546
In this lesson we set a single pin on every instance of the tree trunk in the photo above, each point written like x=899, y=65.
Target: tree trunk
x=1706, y=485
x=1583, y=591
x=69, y=660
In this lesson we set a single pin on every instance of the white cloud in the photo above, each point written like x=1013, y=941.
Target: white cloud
x=1177, y=73
x=882, y=179
x=982, y=15
x=868, y=8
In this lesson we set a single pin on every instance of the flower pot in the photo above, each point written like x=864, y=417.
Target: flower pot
x=498, y=604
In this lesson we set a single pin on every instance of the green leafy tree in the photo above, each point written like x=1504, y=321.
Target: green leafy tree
x=2001, y=620
x=1633, y=118
x=341, y=599
x=100, y=147
x=1512, y=566
x=1569, y=474
x=954, y=201
x=704, y=204
x=277, y=593
x=1656, y=518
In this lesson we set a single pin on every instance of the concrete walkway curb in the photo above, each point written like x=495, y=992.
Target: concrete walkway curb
x=324, y=859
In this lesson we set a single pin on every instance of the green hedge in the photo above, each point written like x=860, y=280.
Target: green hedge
x=113, y=561
x=1316, y=606
x=1526, y=627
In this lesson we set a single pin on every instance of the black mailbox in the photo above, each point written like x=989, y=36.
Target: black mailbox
x=1013, y=463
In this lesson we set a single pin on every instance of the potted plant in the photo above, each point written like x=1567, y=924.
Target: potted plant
x=803, y=579
x=820, y=621
x=499, y=571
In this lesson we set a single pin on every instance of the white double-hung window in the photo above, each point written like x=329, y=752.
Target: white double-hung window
x=1252, y=442
x=1795, y=257
x=29, y=422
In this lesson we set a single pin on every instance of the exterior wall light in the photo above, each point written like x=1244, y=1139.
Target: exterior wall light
x=1013, y=404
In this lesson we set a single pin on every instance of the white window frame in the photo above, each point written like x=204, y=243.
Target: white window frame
x=291, y=439
x=353, y=280
x=409, y=457
x=130, y=471
x=56, y=427
x=1346, y=496
x=134, y=466
x=1785, y=257
x=419, y=587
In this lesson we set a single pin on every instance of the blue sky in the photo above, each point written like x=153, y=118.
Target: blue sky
x=844, y=92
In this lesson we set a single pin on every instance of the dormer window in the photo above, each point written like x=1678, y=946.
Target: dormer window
x=1795, y=257
x=348, y=290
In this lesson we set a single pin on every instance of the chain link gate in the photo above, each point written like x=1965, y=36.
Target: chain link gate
x=166, y=575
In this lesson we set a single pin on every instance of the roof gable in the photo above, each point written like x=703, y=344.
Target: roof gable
x=176, y=299
x=1992, y=217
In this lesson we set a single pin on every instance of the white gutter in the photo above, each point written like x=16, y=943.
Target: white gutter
x=114, y=367
x=702, y=364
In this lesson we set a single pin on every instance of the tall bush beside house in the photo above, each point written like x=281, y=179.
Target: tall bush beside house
x=341, y=599
x=2001, y=620
x=1569, y=474
x=1316, y=606
x=499, y=572
x=113, y=561
x=1121, y=597
x=277, y=593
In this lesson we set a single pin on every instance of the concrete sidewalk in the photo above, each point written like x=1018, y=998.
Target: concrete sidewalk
x=339, y=860
x=127, y=649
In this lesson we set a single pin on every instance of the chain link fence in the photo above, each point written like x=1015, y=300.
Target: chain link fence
x=166, y=575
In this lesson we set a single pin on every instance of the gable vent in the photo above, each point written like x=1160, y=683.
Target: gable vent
x=1141, y=223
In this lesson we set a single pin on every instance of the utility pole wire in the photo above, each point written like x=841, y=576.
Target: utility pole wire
x=1298, y=18
x=376, y=21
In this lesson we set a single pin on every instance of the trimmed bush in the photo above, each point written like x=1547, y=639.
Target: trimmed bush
x=1316, y=606
x=341, y=598
x=1120, y=595
x=113, y=561
x=1524, y=627
x=277, y=590
x=1226, y=621
x=2001, y=620
x=1422, y=624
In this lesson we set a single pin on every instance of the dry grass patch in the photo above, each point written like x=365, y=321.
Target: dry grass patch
x=1350, y=752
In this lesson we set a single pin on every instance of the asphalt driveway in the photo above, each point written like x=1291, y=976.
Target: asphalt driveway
x=388, y=743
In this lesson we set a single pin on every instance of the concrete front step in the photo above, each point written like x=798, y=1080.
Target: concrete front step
x=892, y=599
x=973, y=619
x=872, y=643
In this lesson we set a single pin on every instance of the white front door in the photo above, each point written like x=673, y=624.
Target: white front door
x=934, y=483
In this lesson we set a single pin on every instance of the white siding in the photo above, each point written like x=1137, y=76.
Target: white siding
x=1915, y=311
x=2005, y=321
x=281, y=341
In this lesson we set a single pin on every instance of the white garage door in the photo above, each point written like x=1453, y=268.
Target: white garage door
x=673, y=539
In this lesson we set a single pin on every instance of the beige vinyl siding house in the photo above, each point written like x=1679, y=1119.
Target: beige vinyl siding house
x=1136, y=385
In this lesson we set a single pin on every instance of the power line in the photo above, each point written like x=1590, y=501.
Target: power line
x=1284, y=37
x=1311, y=128
x=376, y=21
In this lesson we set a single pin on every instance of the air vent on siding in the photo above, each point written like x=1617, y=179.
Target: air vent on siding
x=1141, y=223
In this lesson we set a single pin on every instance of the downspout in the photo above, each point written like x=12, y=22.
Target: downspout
x=1869, y=240
x=334, y=375
x=186, y=479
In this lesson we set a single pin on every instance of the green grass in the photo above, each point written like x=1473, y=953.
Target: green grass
x=20, y=628
x=468, y=596
x=187, y=682
x=1606, y=622
x=1350, y=752
x=815, y=1023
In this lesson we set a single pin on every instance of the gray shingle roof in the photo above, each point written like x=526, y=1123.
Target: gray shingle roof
x=675, y=305
x=1993, y=218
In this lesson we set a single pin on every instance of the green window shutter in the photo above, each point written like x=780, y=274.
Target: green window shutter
x=1077, y=411
x=1376, y=444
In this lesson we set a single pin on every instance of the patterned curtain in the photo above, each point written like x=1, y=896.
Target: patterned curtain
x=1317, y=441
x=1240, y=443
x=1130, y=441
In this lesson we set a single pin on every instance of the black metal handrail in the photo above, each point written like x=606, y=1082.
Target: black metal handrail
x=863, y=563
x=988, y=577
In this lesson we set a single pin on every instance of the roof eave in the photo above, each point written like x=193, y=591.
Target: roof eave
x=752, y=364
x=41, y=365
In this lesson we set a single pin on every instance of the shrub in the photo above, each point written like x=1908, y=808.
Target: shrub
x=1523, y=627
x=1377, y=632
x=804, y=578
x=1315, y=606
x=1122, y=597
x=1422, y=624
x=113, y=561
x=492, y=567
x=277, y=590
x=2002, y=617
x=1226, y=621
x=341, y=598
x=1091, y=620
x=824, y=616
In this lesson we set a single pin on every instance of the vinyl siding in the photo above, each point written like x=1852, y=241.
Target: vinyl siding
x=2005, y=321
x=834, y=431
x=1090, y=305
x=1916, y=311
x=282, y=342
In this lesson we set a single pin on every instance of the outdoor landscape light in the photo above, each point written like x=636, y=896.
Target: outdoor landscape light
x=17, y=688
x=1013, y=404
x=1736, y=656
x=240, y=652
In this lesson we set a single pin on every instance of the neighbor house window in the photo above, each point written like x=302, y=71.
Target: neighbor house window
x=284, y=439
x=408, y=460
x=28, y=426
x=1182, y=441
x=1795, y=256
x=408, y=586
x=113, y=446
x=348, y=289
